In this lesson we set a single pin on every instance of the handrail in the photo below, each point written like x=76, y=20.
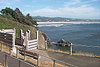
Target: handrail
x=17, y=58
x=28, y=52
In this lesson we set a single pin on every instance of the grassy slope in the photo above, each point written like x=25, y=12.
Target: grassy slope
x=6, y=23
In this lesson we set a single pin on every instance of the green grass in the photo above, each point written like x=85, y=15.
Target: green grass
x=7, y=22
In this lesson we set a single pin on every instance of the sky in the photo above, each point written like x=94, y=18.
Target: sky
x=82, y=9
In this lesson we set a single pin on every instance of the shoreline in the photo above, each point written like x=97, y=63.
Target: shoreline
x=66, y=22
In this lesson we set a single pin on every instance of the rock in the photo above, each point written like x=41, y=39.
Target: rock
x=62, y=42
x=47, y=39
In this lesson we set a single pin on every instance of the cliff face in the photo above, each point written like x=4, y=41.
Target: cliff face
x=47, y=38
x=41, y=41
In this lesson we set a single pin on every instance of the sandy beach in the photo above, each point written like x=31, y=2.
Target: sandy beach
x=66, y=22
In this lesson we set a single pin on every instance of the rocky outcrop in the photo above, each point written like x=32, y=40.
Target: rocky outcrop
x=47, y=38
x=62, y=42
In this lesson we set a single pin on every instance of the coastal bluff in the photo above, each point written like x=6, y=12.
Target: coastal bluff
x=19, y=21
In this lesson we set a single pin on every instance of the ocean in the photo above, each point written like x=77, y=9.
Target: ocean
x=77, y=33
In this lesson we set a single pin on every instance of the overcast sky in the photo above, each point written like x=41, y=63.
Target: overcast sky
x=83, y=9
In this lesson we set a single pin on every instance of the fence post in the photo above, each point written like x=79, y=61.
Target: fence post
x=5, y=60
x=37, y=39
x=6, y=46
x=28, y=34
x=13, y=45
x=21, y=36
x=71, y=49
x=16, y=52
x=53, y=63
x=10, y=50
x=1, y=46
x=19, y=63
x=46, y=45
x=24, y=54
x=26, y=40
x=38, y=60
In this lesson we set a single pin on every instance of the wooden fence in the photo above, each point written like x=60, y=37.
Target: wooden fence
x=27, y=53
x=17, y=57
x=31, y=44
x=10, y=61
x=8, y=36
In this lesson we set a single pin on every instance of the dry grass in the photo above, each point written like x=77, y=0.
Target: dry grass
x=30, y=59
x=5, y=48
x=86, y=54
x=59, y=51
x=80, y=53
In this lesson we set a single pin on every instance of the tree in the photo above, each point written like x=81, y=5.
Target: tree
x=18, y=16
x=34, y=22
x=7, y=11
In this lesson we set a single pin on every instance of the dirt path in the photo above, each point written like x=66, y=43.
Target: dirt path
x=43, y=55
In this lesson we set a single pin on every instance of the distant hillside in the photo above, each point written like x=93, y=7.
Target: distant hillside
x=60, y=19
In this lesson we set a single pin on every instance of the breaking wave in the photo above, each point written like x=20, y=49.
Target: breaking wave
x=84, y=22
x=49, y=25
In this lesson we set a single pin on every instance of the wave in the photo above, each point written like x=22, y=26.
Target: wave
x=59, y=24
x=84, y=22
x=68, y=22
x=49, y=25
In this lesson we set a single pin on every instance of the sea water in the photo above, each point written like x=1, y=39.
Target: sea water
x=77, y=33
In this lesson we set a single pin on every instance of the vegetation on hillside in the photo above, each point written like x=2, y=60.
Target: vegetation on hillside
x=18, y=16
x=10, y=19
x=6, y=23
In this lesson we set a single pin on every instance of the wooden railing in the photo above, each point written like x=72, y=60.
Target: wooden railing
x=27, y=53
x=18, y=51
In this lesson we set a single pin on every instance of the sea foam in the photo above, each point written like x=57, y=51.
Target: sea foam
x=49, y=25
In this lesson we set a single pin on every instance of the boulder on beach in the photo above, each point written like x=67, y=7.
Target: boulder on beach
x=62, y=42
